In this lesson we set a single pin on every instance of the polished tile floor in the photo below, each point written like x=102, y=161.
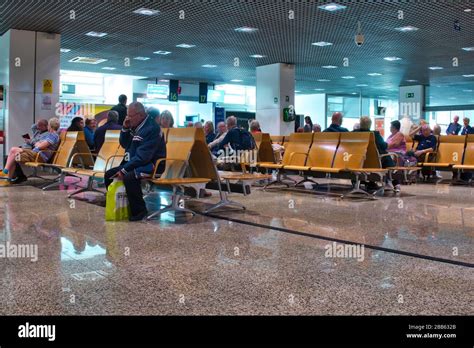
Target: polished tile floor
x=270, y=259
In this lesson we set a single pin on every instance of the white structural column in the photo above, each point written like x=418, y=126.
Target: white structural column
x=275, y=92
x=412, y=101
x=29, y=73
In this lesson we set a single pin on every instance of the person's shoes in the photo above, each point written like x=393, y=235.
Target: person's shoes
x=204, y=194
x=389, y=186
x=18, y=179
x=3, y=175
x=398, y=188
x=138, y=217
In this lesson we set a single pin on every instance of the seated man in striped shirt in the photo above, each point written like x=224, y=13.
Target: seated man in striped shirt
x=45, y=146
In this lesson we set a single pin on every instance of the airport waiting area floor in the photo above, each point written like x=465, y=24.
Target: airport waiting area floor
x=270, y=259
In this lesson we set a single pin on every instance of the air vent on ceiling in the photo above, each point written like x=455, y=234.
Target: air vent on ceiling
x=87, y=60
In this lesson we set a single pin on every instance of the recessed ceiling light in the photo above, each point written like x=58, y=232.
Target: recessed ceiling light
x=209, y=66
x=407, y=28
x=348, y=77
x=146, y=11
x=467, y=10
x=183, y=45
x=164, y=80
x=108, y=68
x=87, y=60
x=354, y=93
x=435, y=68
x=162, y=52
x=392, y=59
x=141, y=58
x=319, y=89
x=323, y=80
x=329, y=67
x=246, y=30
x=468, y=49
x=235, y=80
x=322, y=43
x=168, y=74
x=468, y=75
x=331, y=7
x=65, y=50
x=257, y=56
x=468, y=90
x=96, y=34
x=374, y=74
x=412, y=80
x=362, y=85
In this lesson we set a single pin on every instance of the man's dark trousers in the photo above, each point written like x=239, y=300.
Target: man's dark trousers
x=133, y=188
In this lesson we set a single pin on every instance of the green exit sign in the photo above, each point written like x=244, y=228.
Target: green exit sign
x=410, y=95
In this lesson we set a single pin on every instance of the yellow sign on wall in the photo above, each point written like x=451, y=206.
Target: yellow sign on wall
x=48, y=86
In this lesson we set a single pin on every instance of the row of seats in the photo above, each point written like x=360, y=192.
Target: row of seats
x=188, y=163
x=351, y=155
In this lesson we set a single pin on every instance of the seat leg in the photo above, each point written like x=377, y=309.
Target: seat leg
x=55, y=182
x=174, y=206
x=89, y=187
x=305, y=179
x=357, y=192
x=278, y=181
x=224, y=202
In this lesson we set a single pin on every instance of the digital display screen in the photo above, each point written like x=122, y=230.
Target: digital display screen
x=214, y=96
x=157, y=91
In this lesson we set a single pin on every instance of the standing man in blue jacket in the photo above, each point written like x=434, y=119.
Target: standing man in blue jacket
x=144, y=144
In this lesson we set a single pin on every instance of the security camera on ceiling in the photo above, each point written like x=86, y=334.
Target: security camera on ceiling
x=359, y=38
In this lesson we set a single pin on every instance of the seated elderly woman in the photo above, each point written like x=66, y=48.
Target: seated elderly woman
x=167, y=120
x=42, y=152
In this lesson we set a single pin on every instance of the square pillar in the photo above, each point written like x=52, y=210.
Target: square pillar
x=275, y=92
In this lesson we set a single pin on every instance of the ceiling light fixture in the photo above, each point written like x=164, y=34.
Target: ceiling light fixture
x=468, y=90
x=319, y=89
x=108, y=68
x=411, y=80
x=329, y=67
x=184, y=45
x=141, y=58
x=209, y=66
x=87, y=60
x=246, y=30
x=322, y=43
x=435, y=68
x=146, y=11
x=392, y=59
x=323, y=80
x=331, y=7
x=362, y=85
x=96, y=34
x=235, y=80
x=168, y=74
x=406, y=29
x=468, y=75
x=64, y=50
x=469, y=49
x=348, y=77
x=164, y=53
x=467, y=10
x=257, y=56
x=374, y=74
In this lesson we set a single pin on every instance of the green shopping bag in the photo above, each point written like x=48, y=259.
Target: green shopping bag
x=116, y=204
